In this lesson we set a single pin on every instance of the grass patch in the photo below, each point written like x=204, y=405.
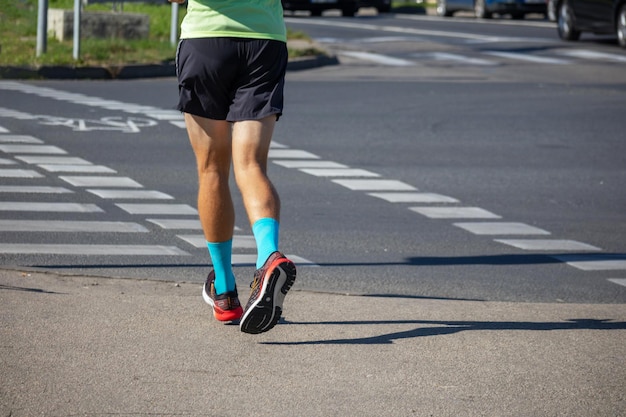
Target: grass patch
x=18, y=38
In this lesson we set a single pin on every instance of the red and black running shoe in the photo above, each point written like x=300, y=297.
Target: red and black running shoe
x=226, y=307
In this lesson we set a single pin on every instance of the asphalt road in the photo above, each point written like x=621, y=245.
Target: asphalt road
x=495, y=153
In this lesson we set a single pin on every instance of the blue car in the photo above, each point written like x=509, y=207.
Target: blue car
x=485, y=9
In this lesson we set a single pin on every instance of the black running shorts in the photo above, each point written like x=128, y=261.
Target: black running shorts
x=230, y=78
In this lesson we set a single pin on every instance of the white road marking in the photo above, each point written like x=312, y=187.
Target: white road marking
x=110, y=250
x=87, y=181
x=455, y=212
x=585, y=54
x=68, y=160
x=444, y=56
x=19, y=139
x=375, y=185
x=32, y=149
x=291, y=154
x=180, y=209
x=339, y=172
x=594, y=262
x=33, y=189
x=377, y=58
x=414, y=197
x=527, y=57
x=239, y=242
x=309, y=164
x=618, y=281
x=177, y=223
x=70, y=226
x=131, y=194
x=4, y=130
x=179, y=123
x=548, y=244
x=501, y=228
x=92, y=169
x=4, y=161
x=49, y=207
x=19, y=173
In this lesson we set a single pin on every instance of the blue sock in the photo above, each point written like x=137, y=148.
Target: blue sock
x=221, y=257
x=265, y=232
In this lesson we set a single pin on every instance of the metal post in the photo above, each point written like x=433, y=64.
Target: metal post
x=174, y=25
x=42, y=27
x=76, y=52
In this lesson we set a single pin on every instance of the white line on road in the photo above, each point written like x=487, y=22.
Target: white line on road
x=87, y=181
x=19, y=139
x=27, y=189
x=501, y=228
x=414, y=197
x=180, y=209
x=131, y=194
x=32, y=149
x=291, y=154
x=49, y=207
x=68, y=160
x=377, y=58
x=618, y=281
x=375, y=185
x=91, y=169
x=339, y=172
x=19, y=173
x=182, y=224
x=108, y=250
x=70, y=226
x=548, y=244
x=455, y=212
x=527, y=57
x=309, y=164
x=585, y=54
x=594, y=262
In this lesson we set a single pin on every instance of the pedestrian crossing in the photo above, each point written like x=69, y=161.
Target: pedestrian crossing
x=437, y=207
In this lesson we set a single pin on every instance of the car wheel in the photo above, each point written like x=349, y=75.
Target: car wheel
x=442, y=9
x=621, y=26
x=480, y=10
x=565, y=23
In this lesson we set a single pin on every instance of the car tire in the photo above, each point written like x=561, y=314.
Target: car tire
x=565, y=23
x=621, y=26
x=480, y=10
x=442, y=9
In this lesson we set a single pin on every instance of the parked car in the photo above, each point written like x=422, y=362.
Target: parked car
x=485, y=9
x=316, y=7
x=599, y=17
x=382, y=6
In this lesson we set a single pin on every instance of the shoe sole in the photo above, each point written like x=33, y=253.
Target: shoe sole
x=207, y=299
x=265, y=312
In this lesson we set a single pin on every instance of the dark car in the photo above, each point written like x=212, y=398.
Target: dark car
x=485, y=9
x=316, y=7
x=595, y=16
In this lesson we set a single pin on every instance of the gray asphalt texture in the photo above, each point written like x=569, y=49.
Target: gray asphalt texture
x=89, y=346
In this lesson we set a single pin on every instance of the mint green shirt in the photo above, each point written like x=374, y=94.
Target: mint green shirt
x=256, y=19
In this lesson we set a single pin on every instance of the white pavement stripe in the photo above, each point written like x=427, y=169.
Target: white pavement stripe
x=32, y=149
x=276, y=145
x=585, y=54
x=88, y=181
x=19, y=173
x=70, y=226
x=377, y=58
x=19, y=139
x=291, y=154
x=92, y=169
x=165, y=115
x=618, y=281
x=527, y=57
x=250, y=260
x=309, y=164
x=375, y=185
x=455, y=212
x=501, y=228
x=4, y=161
x=180, y=209
x=131, y=194
x=444, y=56
x=339, y=172
x=177, y=224
x=4, y=130
x=414, y=197
x=548, y=244
x=49, y=207
x=33, y=189
x=100, y=250
x=179, y=123
x=68, y=160
x=594, y=262
x=239, y=242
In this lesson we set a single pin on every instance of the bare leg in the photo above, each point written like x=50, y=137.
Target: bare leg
x=251, y=142
x=212, y=146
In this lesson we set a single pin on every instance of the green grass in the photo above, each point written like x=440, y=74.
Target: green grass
x=18, y=38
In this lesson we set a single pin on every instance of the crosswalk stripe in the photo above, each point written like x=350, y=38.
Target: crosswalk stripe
x=26, y=189
x=180, y=224
x=378, y=58
x=594, y=262
x=92, y=169
x=291, y=154
x=4, y=161
x=19, y=139
x=250, y=260
x=157, y=208
x=527, y=57
x=375, y=185
x=444, y=56
x=239, y=242
x=454, y=212
x=414, y=197
x=309, y=164
x=548, y=244
x=39, y=149
x=501, y=228
x=110, y=250
x=68, y=160
x=339, y=172
x=70, y=226
x=131, y=194
x=49, y=207
x=585, y=54
x=4, y=130
x=618, y=281
x=87, y=181
x=19, y=173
